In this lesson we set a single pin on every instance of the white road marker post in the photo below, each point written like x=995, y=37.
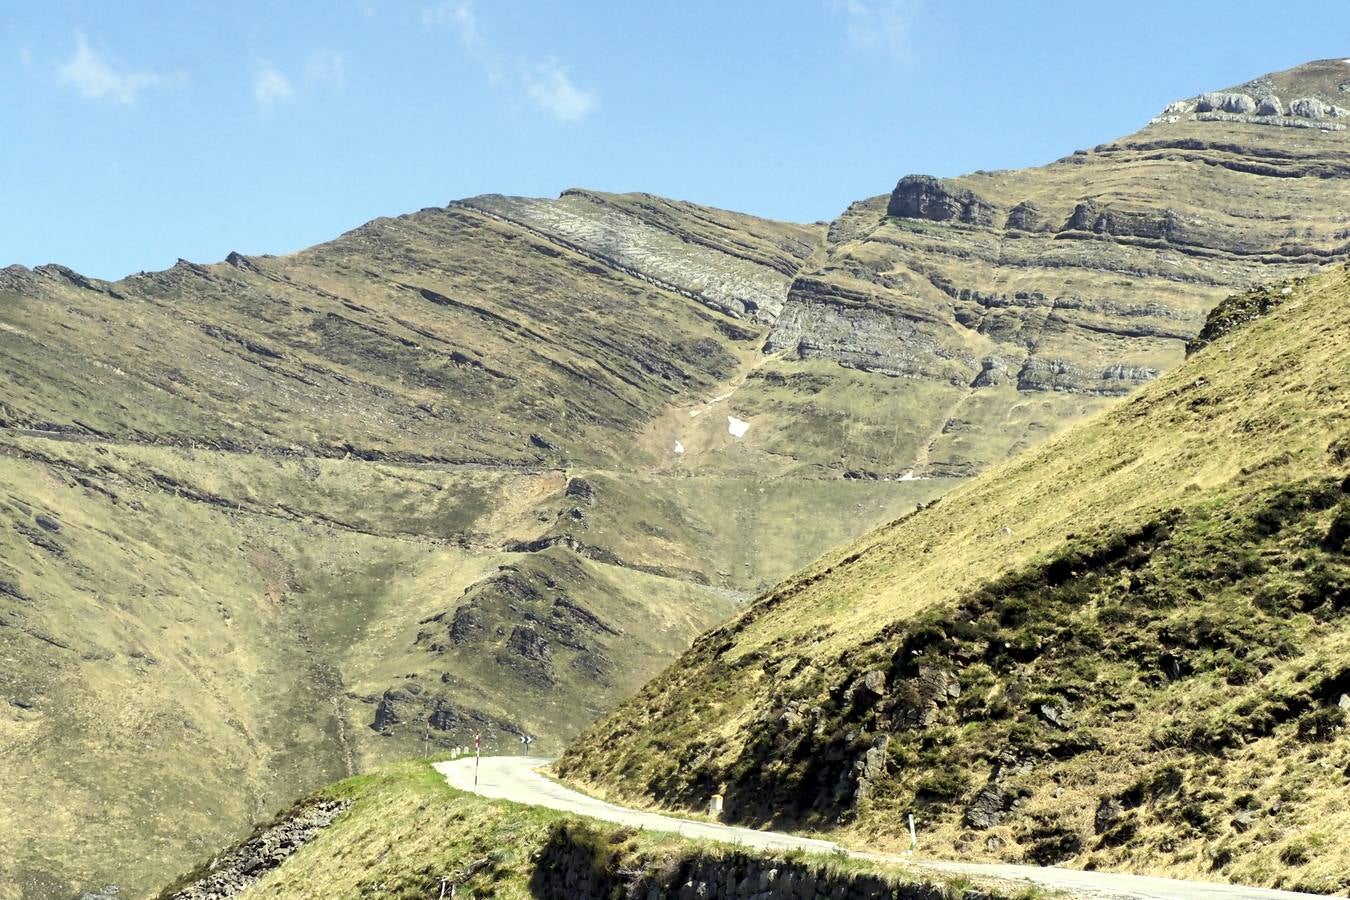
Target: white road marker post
x=477, y=754
x=913, y=838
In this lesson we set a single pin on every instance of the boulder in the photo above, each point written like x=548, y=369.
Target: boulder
x=1310, y=108
x=1269, y=105
x=1221, y=101
x=580, y=489
x=993, y=371
x=1108, y=813
x=1057, y=716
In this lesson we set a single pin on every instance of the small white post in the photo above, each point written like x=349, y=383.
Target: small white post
x=477, y=754
x=913, y=838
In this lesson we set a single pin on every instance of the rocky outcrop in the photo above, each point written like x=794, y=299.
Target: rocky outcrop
x=1090, y=215
x=393, y=706
x=1315, y=108
x=994, y=803
x=993, y=372
x=855, y=331
x=1038, y=374
x=679, y=247
x=530, y=652
x=1315, y=88
x=926, y=197
x=1026, y=216
x=1225, y=102
x=431, y=712
x=233, y=872
x=1236, y=312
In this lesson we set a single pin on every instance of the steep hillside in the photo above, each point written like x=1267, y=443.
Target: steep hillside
x=1128, y=647
x=270, y=521
x=401, y=831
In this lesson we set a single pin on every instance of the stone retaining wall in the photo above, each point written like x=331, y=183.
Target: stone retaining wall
x=582, y=863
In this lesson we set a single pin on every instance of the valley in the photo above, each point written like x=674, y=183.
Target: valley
x=492, y=467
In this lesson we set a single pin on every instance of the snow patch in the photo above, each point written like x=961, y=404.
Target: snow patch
x=910, y=476
x=679, y=448
x=737, y=427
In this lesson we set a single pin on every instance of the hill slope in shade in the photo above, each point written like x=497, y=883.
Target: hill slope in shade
x=489, y=466
x=1128, y=647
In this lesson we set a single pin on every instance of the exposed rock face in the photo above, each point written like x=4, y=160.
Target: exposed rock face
x=870, y=767
x=926, y=197
x=1104, y=264
x=234, y=871
x=1025, y=216
x=858, y=331
x=1225, y=102
x=1316, y=87
x=657, y=240
x=1237, y=311
x=581, y=489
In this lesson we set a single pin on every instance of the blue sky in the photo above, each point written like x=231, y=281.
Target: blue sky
x=138, y=132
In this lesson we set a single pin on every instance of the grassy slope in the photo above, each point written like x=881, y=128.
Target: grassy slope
x=278, y=480
x=253, y=633
x=1196, y=521
x=407, y=832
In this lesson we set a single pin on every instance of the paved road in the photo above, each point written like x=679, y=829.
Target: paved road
x=515, y=778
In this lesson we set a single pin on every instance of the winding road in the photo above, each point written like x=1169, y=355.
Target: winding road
x=516, y=778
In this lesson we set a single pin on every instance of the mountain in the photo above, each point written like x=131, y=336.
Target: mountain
x=490, y=466
x=1125, y=648
x=270, y=521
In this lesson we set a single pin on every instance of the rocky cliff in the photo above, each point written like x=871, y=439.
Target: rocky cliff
x=1084, y=278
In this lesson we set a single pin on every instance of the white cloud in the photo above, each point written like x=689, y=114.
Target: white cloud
x=460, y=15
x=96, y=78
x=553, y=91
x=270, y=87
x=881, y=25
x=326, y=67
x=548, y=85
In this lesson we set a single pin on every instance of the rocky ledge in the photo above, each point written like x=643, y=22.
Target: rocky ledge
x=234, y=871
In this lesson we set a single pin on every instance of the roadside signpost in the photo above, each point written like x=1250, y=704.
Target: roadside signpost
x=525, y=742
x=477, y=754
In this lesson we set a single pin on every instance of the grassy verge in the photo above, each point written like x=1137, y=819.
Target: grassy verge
x=409, y=834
